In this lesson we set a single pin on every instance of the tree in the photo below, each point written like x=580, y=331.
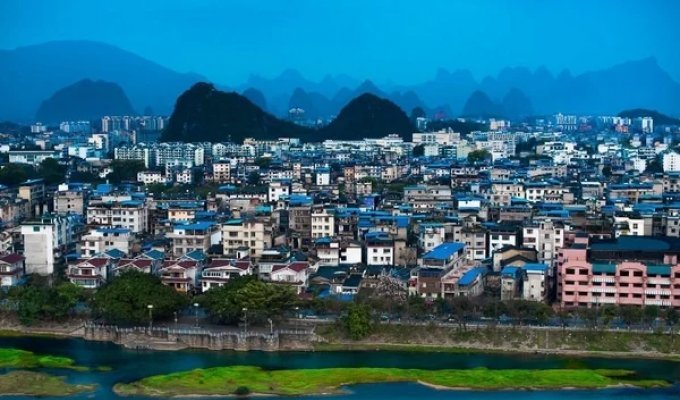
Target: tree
x=125, y=170
x=654, y=167
x=419, y=150
x=630, y=315
x=358, y=321
x=126, y=298
x=262, y=300
x=478, y=156
x=607, y=171
x=14, y=174
x=462, y=308
x=254, y=178
x=51, y=171
x=651, y=313
x=37, y=301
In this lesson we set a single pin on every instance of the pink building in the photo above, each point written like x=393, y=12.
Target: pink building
x=630, y=270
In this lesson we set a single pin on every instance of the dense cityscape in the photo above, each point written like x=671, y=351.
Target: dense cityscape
x=358, y=199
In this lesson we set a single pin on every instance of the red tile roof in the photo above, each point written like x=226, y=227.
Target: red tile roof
x=11, y=258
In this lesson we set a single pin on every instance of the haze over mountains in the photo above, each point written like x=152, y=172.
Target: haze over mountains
x=31, y=75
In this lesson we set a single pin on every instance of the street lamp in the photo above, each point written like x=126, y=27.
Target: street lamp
x=245, y=320
x=196, y=314
x=174, y=313
x=297, y=316
x=271, y=326
x=150, y=307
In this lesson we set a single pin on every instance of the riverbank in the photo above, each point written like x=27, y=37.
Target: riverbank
x=235, y=380
x=580, y=343
x=418, y=338
x=16, y=358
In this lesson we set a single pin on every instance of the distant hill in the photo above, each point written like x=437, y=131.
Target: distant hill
x=84, y=100
x=659, y=119
x=204, y=113
x=256, y=97
x=479, y=105
x=369, y=116
x=29, y=75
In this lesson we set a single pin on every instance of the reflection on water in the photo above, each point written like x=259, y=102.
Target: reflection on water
x=130, y=365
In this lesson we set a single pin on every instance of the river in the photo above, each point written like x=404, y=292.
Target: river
x=130, y=365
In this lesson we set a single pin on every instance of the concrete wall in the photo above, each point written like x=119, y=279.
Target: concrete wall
x=161, y=338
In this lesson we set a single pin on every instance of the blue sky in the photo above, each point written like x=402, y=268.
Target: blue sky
x=398, y=41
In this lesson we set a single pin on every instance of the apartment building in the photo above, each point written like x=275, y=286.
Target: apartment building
x=187, y=238
x=323, y=222
x=131, y=214
x=253, y=233
x=100, y=240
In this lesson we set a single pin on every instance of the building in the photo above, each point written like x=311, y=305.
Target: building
x=69, y=200
x=45, y=240
x=323, y=222
x=100, y=240
x=151, y=177
x=220, y=271
x=546, y=236
x=671, y=162
x=180, y=274
x=626, y=271
x=89, y=273
x=294, y=274
x=252, y=233
x=11, y=270
x=445, y=137
x=446, y=256
x=198, y=236
x=32, y=157
x=131, y=214
x=536, y=283
x=221, y=171
x=379, y=248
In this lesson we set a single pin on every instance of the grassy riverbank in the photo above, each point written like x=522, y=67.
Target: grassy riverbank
x=28, y=383
x=245, y=379
x=15, y=358
x=505, y=339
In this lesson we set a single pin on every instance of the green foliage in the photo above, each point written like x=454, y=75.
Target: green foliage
x=478, y=156
x=125, y=170
x=262, y=300
x=39, y=302
x=358, y=321
x=14, y=174
x=125, y=299
x=254, y=178
x=51, y=171
x=654, y=167
x=298, y=382
x=419, y=150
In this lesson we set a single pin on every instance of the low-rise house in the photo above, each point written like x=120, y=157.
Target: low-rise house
x=511, y=283
x=181, y=275
x=294, y=273
x=90, y=273
x=11, y=269
x=219, y=271
x=536, y=282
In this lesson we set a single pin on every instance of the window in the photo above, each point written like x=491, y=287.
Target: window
x=36, y=229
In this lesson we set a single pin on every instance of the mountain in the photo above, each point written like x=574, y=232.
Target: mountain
x=256, y=97
x=659, y=119
x=315, y=104
x=29, y=75
x=84, y=100
x=516, y=105
x=479, y=105
x=204, y=113
x=369, y=116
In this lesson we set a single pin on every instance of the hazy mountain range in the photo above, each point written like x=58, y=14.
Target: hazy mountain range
x=31, y=75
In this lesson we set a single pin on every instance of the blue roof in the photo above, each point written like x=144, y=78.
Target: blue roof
x=203, y=225
x=535, y=267
x=470, y=276
x=197, y=255
x=444, y=251
x=155, y=254
x=511, y=271
x=115, y=253
x=113, y=230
